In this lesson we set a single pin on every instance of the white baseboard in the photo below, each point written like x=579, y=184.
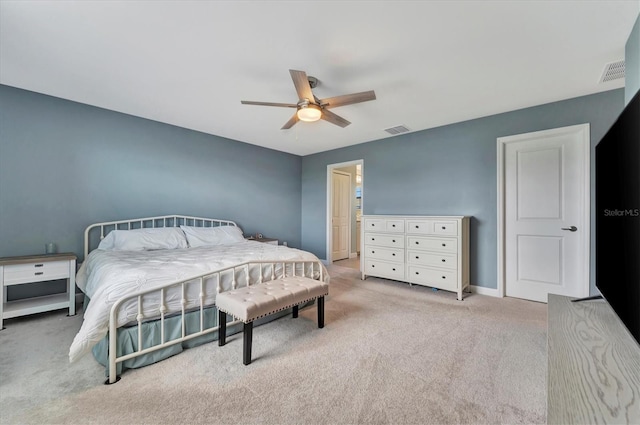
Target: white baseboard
x=492, y=292
x=353, y=255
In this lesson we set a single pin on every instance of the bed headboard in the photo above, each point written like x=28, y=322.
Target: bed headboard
x=94, y=233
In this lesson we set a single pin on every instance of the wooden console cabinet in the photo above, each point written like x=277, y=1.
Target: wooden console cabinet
x=594, y=365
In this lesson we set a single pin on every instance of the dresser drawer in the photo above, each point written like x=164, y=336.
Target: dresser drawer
x=443, y=279
x=445, y=228
x=388, y=254
x=384, y=225
x=432, y=244
x=382, y=269
x=420, y=226
x=390, y=241
x=35, y=272
x=447, y=261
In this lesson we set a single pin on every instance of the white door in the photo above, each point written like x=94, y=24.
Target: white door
x=546, y=213
x=340, y=215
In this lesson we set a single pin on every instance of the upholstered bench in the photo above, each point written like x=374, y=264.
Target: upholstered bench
x=253, y=302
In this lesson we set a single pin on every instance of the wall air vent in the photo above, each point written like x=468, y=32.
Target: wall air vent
x=399, y=129
x=613, y=71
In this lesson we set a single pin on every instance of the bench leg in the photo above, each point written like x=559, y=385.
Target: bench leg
x=222, y=328
x=246, y=349
x=321, y=312
x=295, y=311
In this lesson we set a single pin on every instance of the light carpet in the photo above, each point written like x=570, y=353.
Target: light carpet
x=390, y=353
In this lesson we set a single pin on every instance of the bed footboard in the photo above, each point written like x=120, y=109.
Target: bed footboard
x=196, y=293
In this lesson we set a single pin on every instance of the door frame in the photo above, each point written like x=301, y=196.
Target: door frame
x=329, y=203
x=585, y=138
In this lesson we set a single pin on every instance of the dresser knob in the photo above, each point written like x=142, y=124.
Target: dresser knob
x=444, y=277
x=38, y=265
x=394, y=241
x=394, y=269
x=444, y=244
x=417, y=227
x=417, y=243
x=417, y=258
x=444, y=228
x=393, y=225
x=38, y=273
x=417, y=273
x=444, y=261
x=373, y=265
x=373, y=252
x=394, y=254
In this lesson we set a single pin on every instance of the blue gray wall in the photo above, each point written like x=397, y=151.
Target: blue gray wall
x=65, y=165
x=632, y=63
x=449, y=170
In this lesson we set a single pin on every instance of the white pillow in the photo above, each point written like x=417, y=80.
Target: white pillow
x=209, y=236
x=144, y=239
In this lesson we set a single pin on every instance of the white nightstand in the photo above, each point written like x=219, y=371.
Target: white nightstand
x=32, y=269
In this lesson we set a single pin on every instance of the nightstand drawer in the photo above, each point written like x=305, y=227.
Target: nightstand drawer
x=35, y=272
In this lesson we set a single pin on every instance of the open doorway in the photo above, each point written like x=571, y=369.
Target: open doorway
x=344, y=207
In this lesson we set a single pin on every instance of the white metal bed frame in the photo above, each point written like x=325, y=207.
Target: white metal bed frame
x=103, y=229
x=311, y=269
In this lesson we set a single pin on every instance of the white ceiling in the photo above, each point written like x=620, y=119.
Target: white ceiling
x=430, y=63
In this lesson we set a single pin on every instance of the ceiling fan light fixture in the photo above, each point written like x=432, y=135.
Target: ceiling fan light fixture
x=309, y=113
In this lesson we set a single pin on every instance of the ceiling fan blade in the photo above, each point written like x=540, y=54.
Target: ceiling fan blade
x=294, y=119
x=334, y=119
x=284, y=105
x=348, y=99
x=301, y=82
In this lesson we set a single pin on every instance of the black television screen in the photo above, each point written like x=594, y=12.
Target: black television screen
x=618, y=216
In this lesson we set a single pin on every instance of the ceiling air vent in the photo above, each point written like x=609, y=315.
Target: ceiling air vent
x=399, y=129
x=613, y=71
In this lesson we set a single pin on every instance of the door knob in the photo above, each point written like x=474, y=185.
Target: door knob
x=571, y=229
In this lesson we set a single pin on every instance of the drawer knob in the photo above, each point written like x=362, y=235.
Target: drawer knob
x=417, y=258
x=373, y=239
x=394, y=241
x=444, y=228
x=394, y=269
x=417, y=243
x=38, y=265
x=444, y=244
x=444, y=261
x=373, y=265
x=373, y=252
x=393, y=254
x=393, y=225
x=373, y=225
x=417, y=227
x=38, y=273
x=417, y=273
x=444, y=277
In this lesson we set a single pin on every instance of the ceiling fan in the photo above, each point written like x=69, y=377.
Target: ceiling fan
x=309, y=108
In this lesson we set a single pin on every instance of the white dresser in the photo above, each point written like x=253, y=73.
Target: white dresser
x=425, y=250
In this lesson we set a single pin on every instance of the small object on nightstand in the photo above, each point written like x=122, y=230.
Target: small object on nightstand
x=32, y=269
x=270, y=241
